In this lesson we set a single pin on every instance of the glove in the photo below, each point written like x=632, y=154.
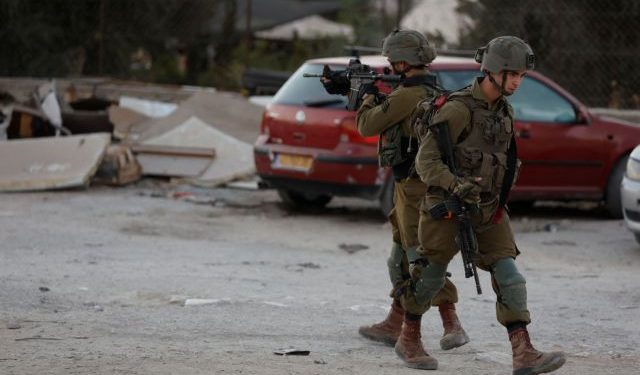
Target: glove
x=335, y=82
x=467, y=189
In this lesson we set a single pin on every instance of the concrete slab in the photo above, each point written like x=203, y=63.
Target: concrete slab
x=172, y=161
x=50, y=162
x=228, y=112
x=234, y=158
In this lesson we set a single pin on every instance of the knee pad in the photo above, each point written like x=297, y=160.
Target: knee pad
x=430, y=282
x=394, y=263
x=511, y=284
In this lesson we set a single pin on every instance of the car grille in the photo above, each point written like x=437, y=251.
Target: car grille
x=632, y=215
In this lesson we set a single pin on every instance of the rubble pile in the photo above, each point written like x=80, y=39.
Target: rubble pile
x=72, y=133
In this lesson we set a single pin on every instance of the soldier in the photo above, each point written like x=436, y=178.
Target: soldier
x=408, y=52
x=480, y=121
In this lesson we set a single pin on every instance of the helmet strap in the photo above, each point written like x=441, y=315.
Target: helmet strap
x=499, y=87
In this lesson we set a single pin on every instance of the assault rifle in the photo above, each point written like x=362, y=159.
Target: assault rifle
x=456, y=208
x=354, y=81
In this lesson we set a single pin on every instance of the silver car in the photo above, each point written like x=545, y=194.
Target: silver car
x=630, y=192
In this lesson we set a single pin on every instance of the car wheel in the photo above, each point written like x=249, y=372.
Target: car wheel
x=300, y=201
x=613, y=199
x=386, y=199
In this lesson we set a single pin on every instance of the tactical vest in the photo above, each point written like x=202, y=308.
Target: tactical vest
x=486, y=148
x=396, y=148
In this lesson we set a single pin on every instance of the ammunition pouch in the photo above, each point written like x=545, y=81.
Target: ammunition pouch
x=397, y=151
x=390, y=146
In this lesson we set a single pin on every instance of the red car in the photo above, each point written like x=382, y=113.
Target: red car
x=309, y=148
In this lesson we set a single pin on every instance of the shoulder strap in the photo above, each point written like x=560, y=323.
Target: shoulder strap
x=464, y=96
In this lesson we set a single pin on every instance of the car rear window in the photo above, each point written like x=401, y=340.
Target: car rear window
x=299, y=90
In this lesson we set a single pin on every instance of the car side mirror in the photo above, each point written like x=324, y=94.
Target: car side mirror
x=583, y=116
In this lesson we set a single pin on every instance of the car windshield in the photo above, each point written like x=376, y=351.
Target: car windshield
x=299, y=90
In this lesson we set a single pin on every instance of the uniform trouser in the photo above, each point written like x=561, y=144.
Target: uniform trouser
x=496, y=248
x=404, y=218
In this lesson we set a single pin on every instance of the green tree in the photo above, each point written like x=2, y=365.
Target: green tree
x=62, y=37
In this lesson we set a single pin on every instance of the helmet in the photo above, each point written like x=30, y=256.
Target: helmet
x=505, y=53
x=408, y=45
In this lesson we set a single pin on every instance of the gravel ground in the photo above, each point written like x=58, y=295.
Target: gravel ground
x=155, y=279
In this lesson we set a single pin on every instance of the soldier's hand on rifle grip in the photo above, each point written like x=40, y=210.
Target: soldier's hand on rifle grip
x=335, y=82
x=467, y=189
x=370, y=89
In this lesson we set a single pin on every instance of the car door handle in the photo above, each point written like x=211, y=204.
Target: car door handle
x=298, y=136
x=524, y=133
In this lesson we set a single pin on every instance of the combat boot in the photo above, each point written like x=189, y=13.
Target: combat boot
x=389, y=329
x=454, y=335
x=409, y=347
x=529, y=361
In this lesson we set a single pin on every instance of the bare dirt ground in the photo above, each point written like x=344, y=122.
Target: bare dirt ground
x=95, y=282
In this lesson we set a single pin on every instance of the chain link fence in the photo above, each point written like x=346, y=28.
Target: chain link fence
x=591, y=48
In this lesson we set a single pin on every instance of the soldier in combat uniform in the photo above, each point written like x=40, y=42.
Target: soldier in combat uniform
x=408, y=52
x=480, y=123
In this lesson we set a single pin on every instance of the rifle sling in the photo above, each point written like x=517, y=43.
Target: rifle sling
x=507, y=182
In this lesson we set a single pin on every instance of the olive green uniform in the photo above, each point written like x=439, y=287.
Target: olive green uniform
x=375, y=119
x=481, y=137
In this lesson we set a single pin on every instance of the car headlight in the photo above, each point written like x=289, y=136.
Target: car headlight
x=633, y=169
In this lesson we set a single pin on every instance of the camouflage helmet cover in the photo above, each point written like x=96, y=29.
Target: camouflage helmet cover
x=505, y=53
x=409, y=46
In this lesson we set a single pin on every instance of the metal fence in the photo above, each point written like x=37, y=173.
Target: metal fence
x=591, y=48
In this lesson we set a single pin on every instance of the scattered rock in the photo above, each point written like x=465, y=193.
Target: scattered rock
x=200, y=301
x=352, y=248
x=44, y=289
x=177, y=300
x=291, y=352
x=309, y=265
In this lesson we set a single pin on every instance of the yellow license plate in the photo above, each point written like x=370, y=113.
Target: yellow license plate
x=295, y=162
